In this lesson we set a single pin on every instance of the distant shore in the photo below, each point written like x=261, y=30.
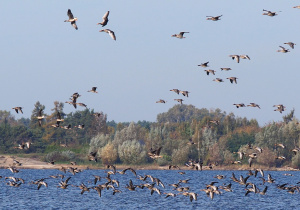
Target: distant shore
x=32, y=163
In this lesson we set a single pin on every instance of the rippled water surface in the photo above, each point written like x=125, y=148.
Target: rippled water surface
x=28, y=197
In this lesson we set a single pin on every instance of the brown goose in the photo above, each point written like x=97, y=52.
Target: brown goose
x=225, y=69
x=291, y=44
x=161, y=101
x=40, y=117
x=71, y=19
x=110, y=32
x=180, y=35
x=254, y=105
x=214, y=18
x=176, y=91
x=179, y=100
x=104, y=19
x=17, y=109
x=283, y=50
x=280, y=108
x=185, y=93
x=236, y=57
x=58, y=120
x=210, y=71
x=232, y=80
x=269, y=13
x=93, y=90
x=218, y=80
x=154, y=153
x=239, y=105
x=204, y=64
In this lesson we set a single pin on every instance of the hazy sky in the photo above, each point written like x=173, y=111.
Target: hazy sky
x=45, y=59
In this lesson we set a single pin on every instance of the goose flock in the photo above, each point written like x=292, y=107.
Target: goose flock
x=237, y=58
x=109, y=180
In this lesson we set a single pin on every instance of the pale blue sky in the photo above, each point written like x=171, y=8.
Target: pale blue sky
x=45, y=59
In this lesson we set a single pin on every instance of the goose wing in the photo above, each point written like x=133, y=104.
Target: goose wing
x=69, y=13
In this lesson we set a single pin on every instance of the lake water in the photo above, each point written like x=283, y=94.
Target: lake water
x=26, y=196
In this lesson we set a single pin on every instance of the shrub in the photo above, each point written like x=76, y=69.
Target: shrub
x=132, y=152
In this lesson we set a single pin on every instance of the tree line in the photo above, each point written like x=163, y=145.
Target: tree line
x=184, y=132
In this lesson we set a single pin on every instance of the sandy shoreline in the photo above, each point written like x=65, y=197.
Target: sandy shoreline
x=32, y=163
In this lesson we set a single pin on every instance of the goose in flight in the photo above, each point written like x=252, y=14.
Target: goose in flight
x=93, y=90
x=239, y=105
x=280, y=108
x=204, y=64
x=17, y=109
x=218, y=80
x=161, y=101
x=269, y=13
x=225, y=69
x=214, y=18
x=154, y=153
x=176, y=91
x=283, y=50
x=254, y=105
x=232, y=79
x=236, y=57
x=71, y=19
x=291, y=44
x=104, y=19
x=180, y=35
x=40, y=117
x=185, y=93
x=110, y=32
x=179, y=100
x=210, y=71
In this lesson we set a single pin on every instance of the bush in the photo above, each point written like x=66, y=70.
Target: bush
x=109, y=154
x=60, y=156
x=132, y=152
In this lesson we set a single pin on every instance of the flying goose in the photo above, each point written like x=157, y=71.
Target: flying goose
x=93, y=90
x=218, y=80
x=92, y=156
x=180, y=35
x=176, y=91
x=236, y=57
x=17, y=109
x=214, y=18
x=239, y=105
x=40, y=117
x=283, y=50
x=280, y=108
x=210, y=71
x=204, y=64
x=185, y=93
x=291, y=44
x=110, y=32
x=179, y=100
x=154, y=153
x=71, y=19
x=225, y=69
x=104, y=19
x=269, y=13
x=254, y=105
x=232, y=79
x=161, y=101
x=297, y=7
